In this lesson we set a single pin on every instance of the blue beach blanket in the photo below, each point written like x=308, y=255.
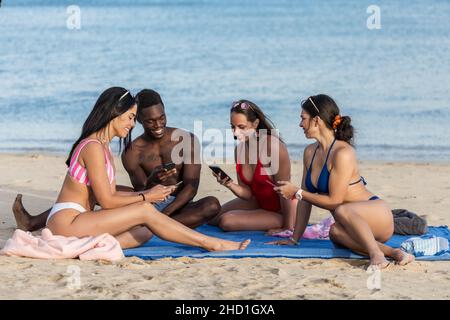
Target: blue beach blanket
x=325, y=249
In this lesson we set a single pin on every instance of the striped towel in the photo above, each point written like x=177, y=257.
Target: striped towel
x=427, y=245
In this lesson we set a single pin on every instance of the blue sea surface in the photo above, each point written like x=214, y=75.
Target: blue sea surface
x=202, y=55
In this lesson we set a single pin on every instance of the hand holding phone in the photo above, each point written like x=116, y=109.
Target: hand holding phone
x=157, y=193
x=221, y=176
x=220, y=173
x=169, y=166
x=174, y=187
x=162, y=173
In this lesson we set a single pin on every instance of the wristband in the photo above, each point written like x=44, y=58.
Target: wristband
x=298, y=195
x=143, y=197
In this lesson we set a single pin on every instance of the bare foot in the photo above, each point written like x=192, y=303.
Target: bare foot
x=243, y=245
x=21, y=215
x=403, y=258
x=378, y=262
x=225, y=245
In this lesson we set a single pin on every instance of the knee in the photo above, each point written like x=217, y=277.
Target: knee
x=146, y=207
x=226, y=222
x=341, y=213
x=334, y=232
x=211, y=207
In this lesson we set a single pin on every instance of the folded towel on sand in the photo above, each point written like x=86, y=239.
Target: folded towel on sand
x=319, y=230
x=408, y=223
x=405, y=223
x=427, y=245
x=49, y=246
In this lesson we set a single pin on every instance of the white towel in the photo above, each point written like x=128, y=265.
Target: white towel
x=425, y=245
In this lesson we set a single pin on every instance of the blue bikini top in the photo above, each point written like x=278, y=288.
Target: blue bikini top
x=324, y=177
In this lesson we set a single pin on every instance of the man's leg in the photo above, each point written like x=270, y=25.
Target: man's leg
x=24, y=220
x=197, y=213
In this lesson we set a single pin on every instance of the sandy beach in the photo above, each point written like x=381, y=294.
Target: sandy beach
x=420, y=187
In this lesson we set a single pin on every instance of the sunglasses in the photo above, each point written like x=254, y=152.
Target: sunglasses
x=241, y=105
x=314, y=105
x=122, y=96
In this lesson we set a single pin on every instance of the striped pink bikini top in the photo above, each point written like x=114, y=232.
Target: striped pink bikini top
x=79, y=173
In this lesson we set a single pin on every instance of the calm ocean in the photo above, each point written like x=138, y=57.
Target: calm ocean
x=202, y=55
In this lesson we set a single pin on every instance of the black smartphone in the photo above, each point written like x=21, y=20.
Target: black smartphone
x=169, y=166
x=219, y=172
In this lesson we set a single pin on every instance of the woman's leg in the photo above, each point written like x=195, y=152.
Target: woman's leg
x=366, y=223
x=250, y=220
x=119, y=220
x=134, y=237
x=339, y=235
x=235, y=204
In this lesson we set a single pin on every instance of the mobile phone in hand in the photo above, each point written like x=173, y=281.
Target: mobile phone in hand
x=169, y=166
x=178, y=183
x=219, y=172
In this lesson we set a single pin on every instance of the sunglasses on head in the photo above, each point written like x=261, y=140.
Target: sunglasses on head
x=241, y=105
x=314, y=105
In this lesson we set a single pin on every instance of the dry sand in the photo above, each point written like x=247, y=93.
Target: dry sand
x=422, y=188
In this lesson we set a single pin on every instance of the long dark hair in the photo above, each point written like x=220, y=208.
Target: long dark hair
x=326, y=108
x=253, y=112
x=112, y=103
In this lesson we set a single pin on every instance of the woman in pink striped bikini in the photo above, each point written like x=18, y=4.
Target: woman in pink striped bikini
x=129, y=216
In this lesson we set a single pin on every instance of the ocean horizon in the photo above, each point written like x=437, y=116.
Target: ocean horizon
x=203, y=55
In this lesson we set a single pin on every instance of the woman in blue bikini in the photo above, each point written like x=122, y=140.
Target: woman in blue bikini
x=331, y=181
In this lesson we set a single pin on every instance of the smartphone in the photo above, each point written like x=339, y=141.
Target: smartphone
x=177, y=185
x=219, y=172
x=169, y=166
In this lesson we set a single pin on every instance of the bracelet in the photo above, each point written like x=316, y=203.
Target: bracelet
x=298, y=195
x=143, y=197
x=294, y=241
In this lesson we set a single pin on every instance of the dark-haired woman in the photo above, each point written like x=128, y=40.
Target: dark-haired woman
x=331, y=180
x=261, y=159
x=129, y=216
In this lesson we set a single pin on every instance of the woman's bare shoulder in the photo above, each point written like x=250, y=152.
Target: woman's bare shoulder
x=92, y=149
x=344, y=152
x=309, y=150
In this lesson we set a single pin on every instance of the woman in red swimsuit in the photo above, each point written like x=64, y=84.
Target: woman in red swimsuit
x=261, y=159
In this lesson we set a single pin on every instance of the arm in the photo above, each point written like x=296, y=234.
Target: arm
x=284, y=174
x=239, y=189
x=139, y=180
x=191, y=179
x=301, y=222
x=94, y=161
x=303, y=207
